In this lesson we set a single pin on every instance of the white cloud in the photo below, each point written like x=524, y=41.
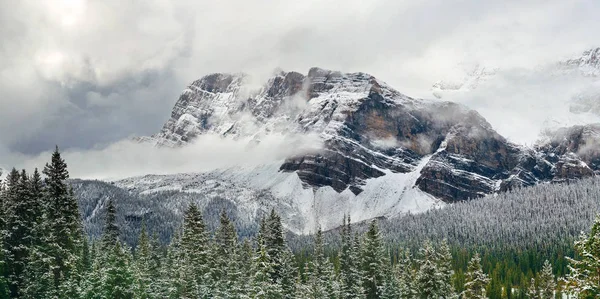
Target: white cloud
x=86, y=72
x=126, y=158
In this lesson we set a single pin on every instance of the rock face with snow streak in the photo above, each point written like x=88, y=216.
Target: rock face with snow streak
x=369, y=131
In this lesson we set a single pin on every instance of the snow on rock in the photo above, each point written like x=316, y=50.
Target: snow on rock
x=255, y=190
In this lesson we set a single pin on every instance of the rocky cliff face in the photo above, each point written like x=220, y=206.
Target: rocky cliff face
x=370, y=130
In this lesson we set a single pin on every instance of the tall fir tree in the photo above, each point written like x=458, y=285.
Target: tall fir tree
x=274, y=244
x=142, y=265
x=4, y=291
x=118, y=280
x=350, y=276
x=584, y=276
x=476, y=280
x=374, y=262
x=226, y=268
x=444, y=261
x=426, y=280
x=195, y=253
x=406, y=275
x=321, y=277
x=111, y=233
x=64, y=233
x=17, y=231
x=546, y=282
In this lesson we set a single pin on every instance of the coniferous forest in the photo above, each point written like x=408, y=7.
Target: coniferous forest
x=47, y=254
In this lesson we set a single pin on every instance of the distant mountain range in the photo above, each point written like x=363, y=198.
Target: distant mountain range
x=383, y=153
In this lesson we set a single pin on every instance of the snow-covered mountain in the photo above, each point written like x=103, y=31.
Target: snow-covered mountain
x=588, y=63
x=383, y=153
x=470, y=76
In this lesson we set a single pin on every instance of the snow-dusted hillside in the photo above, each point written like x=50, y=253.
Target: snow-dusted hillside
x=255, y=190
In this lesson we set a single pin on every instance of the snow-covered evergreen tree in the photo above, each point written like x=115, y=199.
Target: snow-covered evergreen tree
x=350, y=276
x=406, y=275
x=584, y=275
x=532, y=290
x=374, y=261
x=476, y=281
x=546, y=282
x=226, y=268
x=118, y=278
x=446, y=274
x=195, y=254
x=262, y=286
x=64, y=229
x=427, y=278
x=111, y=233
x=4, y=291
x=322, y=281
x=142, y=265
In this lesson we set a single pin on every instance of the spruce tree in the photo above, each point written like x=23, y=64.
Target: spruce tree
x=444, y=261
x=118, y=279
x=111, y=233
x=262, y=286
x=17, y=232
x=350, y=277
x=64, y=233
x=427, y=282
x=195, y=253
x=274, y=244
x=142, y=265
x=321, y=277
x=584, y=275
x=374, y=262
x=4, y=291
x=532, y=290
x=246, y=260
x=546, y=282
x=406, y=275
x=476, y=280
x=227, y=269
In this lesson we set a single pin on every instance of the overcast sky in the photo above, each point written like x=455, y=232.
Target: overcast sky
x=84, y=74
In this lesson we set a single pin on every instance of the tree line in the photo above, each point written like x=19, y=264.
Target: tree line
x=46, y=254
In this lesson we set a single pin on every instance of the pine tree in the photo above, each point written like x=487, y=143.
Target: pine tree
x=374, y=262
x=427, y=277
x=406, y=275
x=142, y=265
x=262, y=286
x=350, y=277
x=391, y=287
x=246, y=260
x=16, y=230
x=444, y=260
x=288, y=275
x=111, y=233
x=584, y=275
x=532, y=290
x=227, y=270
x=195, y=253
x=4, y=291
x=274, y=244
x=321, y=276
x=118, y=280
x=546, y=282
x=64, y=231
x=476, y=280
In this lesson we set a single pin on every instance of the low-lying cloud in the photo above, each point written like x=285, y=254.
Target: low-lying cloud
x=207, y=152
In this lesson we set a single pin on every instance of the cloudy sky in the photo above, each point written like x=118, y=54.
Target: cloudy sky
x=85, y=74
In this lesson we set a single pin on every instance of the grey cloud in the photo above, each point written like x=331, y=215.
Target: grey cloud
x=86, y=73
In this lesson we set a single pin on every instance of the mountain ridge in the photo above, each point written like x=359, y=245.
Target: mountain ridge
x=367, y=127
